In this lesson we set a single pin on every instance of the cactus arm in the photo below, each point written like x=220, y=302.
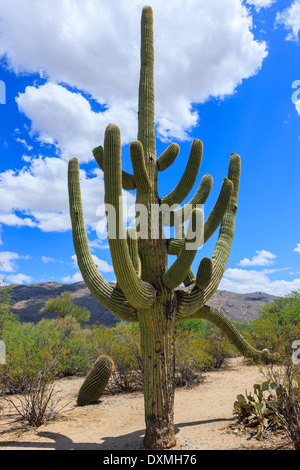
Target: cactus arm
x=140, y=172
x=204, y=273
x=167, y=157
x=188, y=178
x=133, y=249
x=109, y=297
x=190, y=278
x=178, y=271
x=181, y=215
x=138, y=293
x=127, y=179
x=219, y=320
x=192, y=299
x=220, y=207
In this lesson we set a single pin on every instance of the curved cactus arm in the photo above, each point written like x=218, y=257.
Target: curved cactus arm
x=140, y=172
x=192, y=299
x=219, y=209
x=204, y=273
x=109, y=297
x=212, y=222
x=167, y=157
x=219, y=320
x=133, y=249
x=188, y=178
x=184, y=213
x=139, y=294
x=189, y=278
x=178, y=271
x=127, y=179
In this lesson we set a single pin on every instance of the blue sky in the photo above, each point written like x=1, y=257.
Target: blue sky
x=227, y=72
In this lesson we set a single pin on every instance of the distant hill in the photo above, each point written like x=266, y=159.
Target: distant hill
x=27, y=300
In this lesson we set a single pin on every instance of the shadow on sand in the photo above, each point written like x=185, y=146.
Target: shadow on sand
x=130, y=441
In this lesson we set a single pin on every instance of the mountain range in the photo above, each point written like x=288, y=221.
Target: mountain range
x=27, y=300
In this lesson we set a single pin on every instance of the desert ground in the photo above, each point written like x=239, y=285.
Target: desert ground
x=203, y=416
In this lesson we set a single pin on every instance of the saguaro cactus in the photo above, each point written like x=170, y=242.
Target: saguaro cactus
x=96, y=381
x=147, y=290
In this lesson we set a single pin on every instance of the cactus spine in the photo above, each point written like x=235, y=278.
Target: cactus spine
x=147, y=289
x=96, y=381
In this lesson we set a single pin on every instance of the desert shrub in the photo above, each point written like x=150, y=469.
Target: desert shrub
x=36, y=402
x=191, y=358
x=278, y=325
x=122, y=344
x=285, y=398
x=274, y=405
x=27, y=353
x=218, y=347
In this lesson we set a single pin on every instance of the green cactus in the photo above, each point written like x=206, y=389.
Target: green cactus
x=147, y=289
x=96, y=381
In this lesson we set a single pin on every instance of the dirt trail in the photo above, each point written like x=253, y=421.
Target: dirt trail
x=202, y=418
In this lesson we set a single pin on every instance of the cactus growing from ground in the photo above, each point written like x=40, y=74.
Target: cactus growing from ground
x=147, y=289
x=96, y=381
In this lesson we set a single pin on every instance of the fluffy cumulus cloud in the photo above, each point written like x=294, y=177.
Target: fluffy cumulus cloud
x=244, y=281
x=9, y=266
x=102, y=265
x=37, y=196
x=87, y=54
x=258, y=4
x=7, y=261
x=290, y=19
x=204, y=50
x=262, y=258
x=297, y=249
x=65, y=119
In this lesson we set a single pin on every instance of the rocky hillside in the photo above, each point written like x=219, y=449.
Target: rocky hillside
x=27, y=301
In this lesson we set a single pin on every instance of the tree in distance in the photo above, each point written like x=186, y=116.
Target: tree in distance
x=63, y=306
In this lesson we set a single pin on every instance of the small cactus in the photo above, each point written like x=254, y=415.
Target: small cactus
x=96, y=381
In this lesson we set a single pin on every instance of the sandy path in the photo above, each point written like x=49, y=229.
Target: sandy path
x=202, y=417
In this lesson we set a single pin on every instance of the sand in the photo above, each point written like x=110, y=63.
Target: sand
x=203, y=415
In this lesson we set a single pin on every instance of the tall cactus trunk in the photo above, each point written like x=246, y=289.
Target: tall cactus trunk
x=157, y=344
x=157, y=323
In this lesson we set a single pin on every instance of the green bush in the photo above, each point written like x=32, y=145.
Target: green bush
x=278, y=325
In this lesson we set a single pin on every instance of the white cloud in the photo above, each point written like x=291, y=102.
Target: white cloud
x=7, y=261
x=102, y=266
x=258, y=4
x=243, y=281
x=290, y=18
x=262, y=258
x=65, y=119
x=48, y=259
x=23, y=142
x=297, y=249
x=203, y=49
x=37, y=196
x=19, y=279
x=77, y=277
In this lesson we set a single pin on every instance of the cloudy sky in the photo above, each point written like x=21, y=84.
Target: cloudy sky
x=226, y=72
